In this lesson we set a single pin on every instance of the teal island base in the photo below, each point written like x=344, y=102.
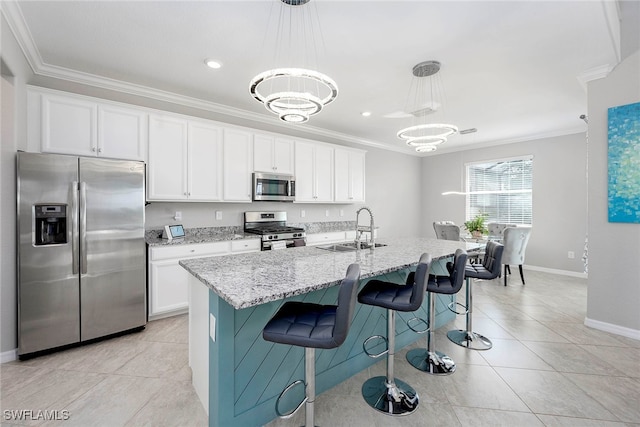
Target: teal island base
x=238, y=376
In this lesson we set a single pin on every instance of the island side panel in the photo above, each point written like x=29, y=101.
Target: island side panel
x=247, y=373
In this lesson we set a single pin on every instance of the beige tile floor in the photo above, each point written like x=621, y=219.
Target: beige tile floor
x=545, y=369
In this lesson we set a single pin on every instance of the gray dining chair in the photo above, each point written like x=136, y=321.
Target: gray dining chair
x=515, y=242
x=446, y=230
x=496, y=229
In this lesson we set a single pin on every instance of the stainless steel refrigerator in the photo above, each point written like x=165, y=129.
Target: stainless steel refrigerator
x=81, y=249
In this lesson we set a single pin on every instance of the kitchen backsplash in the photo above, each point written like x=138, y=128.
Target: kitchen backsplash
x=209, y=232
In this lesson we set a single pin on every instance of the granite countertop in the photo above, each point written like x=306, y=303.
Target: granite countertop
x=221, y=234
x=153, y=237
x=252, y=279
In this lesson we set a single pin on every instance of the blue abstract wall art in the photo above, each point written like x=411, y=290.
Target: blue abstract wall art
x=624, y=163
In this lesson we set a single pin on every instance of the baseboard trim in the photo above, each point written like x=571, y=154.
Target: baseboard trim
x=614, y=329
x=556, y=271
x=9, y=356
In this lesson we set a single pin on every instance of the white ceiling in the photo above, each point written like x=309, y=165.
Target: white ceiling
x=511, y=69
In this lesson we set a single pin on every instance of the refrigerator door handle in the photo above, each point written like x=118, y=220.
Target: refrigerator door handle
x=83, y=227
x=75, y=253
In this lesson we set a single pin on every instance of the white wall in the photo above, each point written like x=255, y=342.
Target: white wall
x=614, y=277
x=559, y=195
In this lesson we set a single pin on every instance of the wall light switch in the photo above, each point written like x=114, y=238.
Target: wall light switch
x=218, y=215
x=212, y=327
x=326, y=213
x=341, y=212
x=302, y=213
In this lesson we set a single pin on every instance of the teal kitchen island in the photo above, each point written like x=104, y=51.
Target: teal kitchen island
x=236, y=374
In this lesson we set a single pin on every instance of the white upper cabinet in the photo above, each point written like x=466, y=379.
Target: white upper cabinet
x=122, y=133
x=79, y=126
x=272, y=154
x=204, y=162
x=168, y=151
x=185, y=160
x=349, y=176
x=69, y=126
x=237, y=165
x=314, y=172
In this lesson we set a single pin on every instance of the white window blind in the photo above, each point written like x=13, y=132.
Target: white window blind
x=500, y=189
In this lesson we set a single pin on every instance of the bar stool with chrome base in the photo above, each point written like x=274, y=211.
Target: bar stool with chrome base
x=489, y=269
x=428, y=360
x=387, y=394
x=313, y=326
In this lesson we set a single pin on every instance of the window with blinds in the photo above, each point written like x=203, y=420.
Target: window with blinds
x=501, y=190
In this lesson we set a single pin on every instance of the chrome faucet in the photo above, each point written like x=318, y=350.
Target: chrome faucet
x=360, y=228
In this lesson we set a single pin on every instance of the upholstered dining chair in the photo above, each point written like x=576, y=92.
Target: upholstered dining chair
x=446, y=230
x=496, y=229
x=515, y=244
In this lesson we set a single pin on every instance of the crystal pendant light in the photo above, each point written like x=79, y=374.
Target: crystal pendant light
x=294, y=93
x=424, y=136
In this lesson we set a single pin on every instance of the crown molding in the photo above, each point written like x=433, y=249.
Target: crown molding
x=15, y=19
x=487, y=144
x=593, y=74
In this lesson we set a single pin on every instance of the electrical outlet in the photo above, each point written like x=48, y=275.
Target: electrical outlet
x=218, y=215
x=212, y=327
x=302, y=213
x=326, y=213
x=341, y=212
x=178, y=216
x=571, y=254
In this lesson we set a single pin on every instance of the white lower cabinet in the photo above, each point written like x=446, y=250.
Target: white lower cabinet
x=168, y=291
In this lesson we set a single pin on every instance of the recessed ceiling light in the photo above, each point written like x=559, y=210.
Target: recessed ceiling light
x=365, y=113
x=211, y=63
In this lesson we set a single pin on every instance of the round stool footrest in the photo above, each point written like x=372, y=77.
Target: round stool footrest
x=285, y=391
x=375, y=356
x=395, y=399
x=421, y=320
x=452, y=304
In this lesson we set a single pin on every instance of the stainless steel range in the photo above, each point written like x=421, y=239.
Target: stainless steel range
x=273, y=228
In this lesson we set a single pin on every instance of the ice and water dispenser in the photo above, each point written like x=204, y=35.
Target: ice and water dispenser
x=51, y=224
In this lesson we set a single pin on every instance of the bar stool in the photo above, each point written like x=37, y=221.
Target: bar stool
x=387, y=394
x=428, y=360
x=489, y=269
x=313, y=326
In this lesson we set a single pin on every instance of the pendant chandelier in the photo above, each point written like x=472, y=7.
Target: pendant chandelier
x=297, y=91
x=423, y=135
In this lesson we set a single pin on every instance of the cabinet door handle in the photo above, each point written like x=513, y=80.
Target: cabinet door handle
x=93, y=149
x=99, y=150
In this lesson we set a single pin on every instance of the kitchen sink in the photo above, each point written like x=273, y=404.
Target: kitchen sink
x=347, y=246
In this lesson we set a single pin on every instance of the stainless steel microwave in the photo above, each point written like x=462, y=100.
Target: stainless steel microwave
x=274, y=188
